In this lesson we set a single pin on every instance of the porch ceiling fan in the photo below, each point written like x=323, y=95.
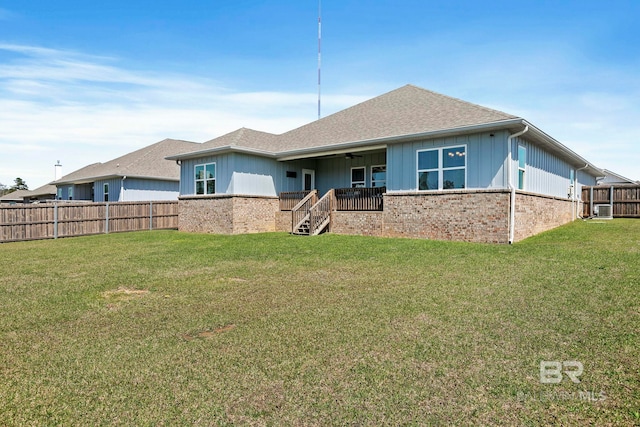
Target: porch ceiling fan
x=351, y=155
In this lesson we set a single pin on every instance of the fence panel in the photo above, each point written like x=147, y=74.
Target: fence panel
x=58, y=219
x=626, y=200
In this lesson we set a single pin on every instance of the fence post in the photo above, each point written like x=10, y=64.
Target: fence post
x=106, y=225
x=150, y=215
x=55, y=220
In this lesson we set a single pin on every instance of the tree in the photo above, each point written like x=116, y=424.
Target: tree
x=3, y=189
x=19, y=185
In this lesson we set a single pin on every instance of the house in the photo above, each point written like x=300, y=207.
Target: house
x=143, y=174
x=15, y=197
x=612, y=178
x=409, y=163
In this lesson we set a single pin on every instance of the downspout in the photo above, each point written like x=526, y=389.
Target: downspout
x=512, y=210
x=575, y=191
x=122, y=188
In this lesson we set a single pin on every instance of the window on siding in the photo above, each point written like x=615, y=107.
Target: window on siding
x=522, y=166
x=70, y=193
x=106, y=192
x=206, y=178
x=442, y=168
x=358, y=177
x=59, y=193
x=379, y=176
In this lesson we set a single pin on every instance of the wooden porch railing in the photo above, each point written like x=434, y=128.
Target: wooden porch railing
x=301, y=210
x=359, y=199
x=320, y=213
x=289, y=199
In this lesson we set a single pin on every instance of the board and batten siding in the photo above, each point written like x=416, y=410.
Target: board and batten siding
x=545, y=172
x=335, y=172
x=114, y=190
x=246, y=174
x=485, y=157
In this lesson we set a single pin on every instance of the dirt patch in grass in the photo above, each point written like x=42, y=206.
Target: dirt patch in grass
x=209, y=333
x=124, y=293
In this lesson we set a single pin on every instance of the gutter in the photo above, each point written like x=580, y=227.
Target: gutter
x=512, y=210
x=575, y=190
x=122, y=188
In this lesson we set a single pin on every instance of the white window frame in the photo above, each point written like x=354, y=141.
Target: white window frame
x=105, y=192
x=373, y=181
x=205, y=180
x=441, y=169
x=363, y=182
x=522, y=185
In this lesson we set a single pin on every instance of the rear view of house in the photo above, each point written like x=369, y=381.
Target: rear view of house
x=409, y=163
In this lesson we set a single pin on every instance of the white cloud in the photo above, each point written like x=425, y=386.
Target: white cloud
x=82, y=109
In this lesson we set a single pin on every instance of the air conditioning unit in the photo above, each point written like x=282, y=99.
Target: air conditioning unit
x=603, y=211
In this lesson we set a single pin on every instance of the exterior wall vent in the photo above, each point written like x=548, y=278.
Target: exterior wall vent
x=603, y=211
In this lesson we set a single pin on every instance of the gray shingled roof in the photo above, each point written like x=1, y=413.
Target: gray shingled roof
x=147, y=162
x=405, y=111
x=243, y=137
x=408, y=110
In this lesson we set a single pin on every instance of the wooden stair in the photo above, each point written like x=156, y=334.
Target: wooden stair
x=303, y=228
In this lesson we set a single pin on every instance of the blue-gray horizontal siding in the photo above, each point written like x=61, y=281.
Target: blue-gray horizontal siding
x=136, y=189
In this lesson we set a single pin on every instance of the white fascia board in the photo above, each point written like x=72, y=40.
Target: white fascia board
x=221, y=150
x=380, y=143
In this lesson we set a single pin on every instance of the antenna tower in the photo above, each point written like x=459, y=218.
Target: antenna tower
x=319, y=53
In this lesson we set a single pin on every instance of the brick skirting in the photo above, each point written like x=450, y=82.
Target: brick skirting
x=362, y=223
x=227, y=214
x=461, y=215
x=536, y=213
x=465, y=215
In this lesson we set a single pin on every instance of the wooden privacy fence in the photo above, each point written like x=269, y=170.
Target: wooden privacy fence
x=625, y=200
x=53, y=220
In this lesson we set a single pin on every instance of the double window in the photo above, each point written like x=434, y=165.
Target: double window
x=206, y=178
x=442, y=168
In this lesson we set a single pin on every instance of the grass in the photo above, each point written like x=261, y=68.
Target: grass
x=168, y=328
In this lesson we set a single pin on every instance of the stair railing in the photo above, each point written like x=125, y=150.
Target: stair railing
x=320, y=213
x=301, y=210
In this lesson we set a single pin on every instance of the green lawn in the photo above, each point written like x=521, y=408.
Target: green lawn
x=171, y=328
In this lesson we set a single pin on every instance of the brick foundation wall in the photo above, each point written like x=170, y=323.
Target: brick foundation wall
x=536, y=213
x=465, y=215
x=362, y=223
x=227, y=214
x=283, y=221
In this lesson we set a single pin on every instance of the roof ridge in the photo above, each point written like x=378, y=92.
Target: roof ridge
x=473, y=104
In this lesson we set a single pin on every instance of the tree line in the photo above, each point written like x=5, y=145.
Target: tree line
x=18, y=184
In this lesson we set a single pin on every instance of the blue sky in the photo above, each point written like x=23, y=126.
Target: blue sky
x=83, y=82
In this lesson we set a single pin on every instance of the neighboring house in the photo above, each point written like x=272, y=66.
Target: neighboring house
x=15, y=197
x=41, y=194
x=144, y=174
x=409, y=163
x=612, y=178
